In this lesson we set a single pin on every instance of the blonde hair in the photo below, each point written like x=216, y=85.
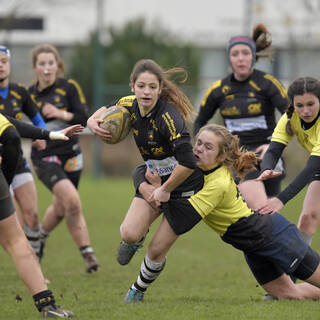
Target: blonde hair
x=48, y=48
x=236, y=158
x=170, y=92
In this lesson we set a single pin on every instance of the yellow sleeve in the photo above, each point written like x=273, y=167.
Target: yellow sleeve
x=280, y=134
x=316, y=149
x=126, y=101
x=4, y=123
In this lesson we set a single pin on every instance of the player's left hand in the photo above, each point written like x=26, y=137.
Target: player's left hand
x=64, y=134
x=268, y=174
x=272, y=205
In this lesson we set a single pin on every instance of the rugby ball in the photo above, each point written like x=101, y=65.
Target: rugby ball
x=117, y=120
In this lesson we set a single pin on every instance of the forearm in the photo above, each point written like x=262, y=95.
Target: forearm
x=27, y=130
x=272, y=156
x=179, y=174
x=301, y=180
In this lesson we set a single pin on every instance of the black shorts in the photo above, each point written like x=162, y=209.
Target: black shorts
x=284, y=252
x=181, y=215
x=6, y=204
x=52, y=169
x=23, y=166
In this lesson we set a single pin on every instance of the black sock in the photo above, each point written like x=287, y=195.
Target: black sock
x=43, y=298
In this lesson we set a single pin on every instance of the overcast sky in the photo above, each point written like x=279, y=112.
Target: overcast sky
x=206, y=22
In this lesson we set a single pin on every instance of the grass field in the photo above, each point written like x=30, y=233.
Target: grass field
x=203, y=279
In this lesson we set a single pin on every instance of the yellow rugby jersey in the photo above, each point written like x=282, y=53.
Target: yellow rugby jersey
x=4, y=123
x=309, y=138
x=219, y=202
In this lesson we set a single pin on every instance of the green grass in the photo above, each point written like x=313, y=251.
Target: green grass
x=204, y=278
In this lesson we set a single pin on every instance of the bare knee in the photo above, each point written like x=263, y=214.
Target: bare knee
x=308, y=222
x=72, y=206
x=130, y=235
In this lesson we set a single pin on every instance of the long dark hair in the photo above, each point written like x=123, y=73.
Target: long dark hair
x=170, y=92
x=299, y=87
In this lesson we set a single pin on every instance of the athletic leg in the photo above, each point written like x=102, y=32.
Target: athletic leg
x=310, y=216
x=284, y=288
x=27, y=199
x=67, y=195
x=13, y=240
x=134, y=228
x=154, y=262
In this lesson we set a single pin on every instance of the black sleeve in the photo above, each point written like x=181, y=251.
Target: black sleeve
x=278, y=94
x=184, y=155
x=27, y=130
x=77, y=104
x=138, y=176
x=199, y=123
x=272, y=155
x=208, y=107
x=301, y=180
x=11, y=151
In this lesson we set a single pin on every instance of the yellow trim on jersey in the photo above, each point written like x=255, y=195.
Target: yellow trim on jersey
x=276, y=82
x=254, y=85
x=126, y=101
x=214, y=86
x=308, y=139
x=172, y=128
x=219, y=202
x=80, y=92
x=4, y=123
x=61, y=91
x=15, y=94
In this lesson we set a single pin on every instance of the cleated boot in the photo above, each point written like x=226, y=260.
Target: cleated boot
x=126, y=251
x=52, y=311
x=133, y=295
x=90, y=259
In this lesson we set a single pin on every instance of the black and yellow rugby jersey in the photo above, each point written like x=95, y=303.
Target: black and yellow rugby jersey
x=18, y=102
x=247, y=107
x=219, y=202
x=65, y=95
x=158, y=136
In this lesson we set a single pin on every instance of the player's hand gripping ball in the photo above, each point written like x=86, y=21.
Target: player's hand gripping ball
x=117, y=120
